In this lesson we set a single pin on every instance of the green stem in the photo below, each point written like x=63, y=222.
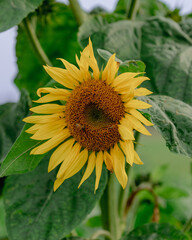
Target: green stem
x=101, y=233
x=77, y=11
x=109, y=208
x=113, y=207
x=35, y=42
x=188, y=225
x=131, y=14
x=104, y=209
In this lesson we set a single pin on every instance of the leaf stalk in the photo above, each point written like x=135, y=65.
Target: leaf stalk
x=30, y=31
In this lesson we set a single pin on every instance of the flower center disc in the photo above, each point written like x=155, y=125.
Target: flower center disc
x=93, y=111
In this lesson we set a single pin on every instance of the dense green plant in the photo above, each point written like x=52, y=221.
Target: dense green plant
x=146, y=37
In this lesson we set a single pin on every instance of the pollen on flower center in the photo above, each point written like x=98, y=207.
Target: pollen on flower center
x=93, y=111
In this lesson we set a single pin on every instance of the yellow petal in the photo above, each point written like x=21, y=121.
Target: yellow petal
x=138, y=80
x=110, y=70
x=33, y=129
x=126, y=86
x=72, y=70
x=92, y=61
x=126, y=130
x=77, y=164
x=142, y=92
x=108, y=161
x=99, y=165
x=44, y=118
x=137, y=125
x=58, y=183
x=119, y=165
x=51, y=143
x=141, y=118
x=75, y=167
x=55, y=91
x=61, y=76
x=60, y=154
x=89, y=169
x=124, y=78
x=51, y=98
x=137, y=104
x=128, y=95
x=48, y=108
x=83, y=64
x=73, y=154
x=49, y=130
x=137, y=159
x=128, y=149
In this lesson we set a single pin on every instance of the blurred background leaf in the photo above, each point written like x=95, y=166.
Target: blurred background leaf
x=13, y=12
x=154, y=231
x=53, y=29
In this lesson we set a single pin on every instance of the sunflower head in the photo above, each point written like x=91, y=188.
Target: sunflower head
x=97, y=123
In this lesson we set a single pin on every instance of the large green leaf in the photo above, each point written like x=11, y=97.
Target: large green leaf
x=11, y=115
x=34, y=211
x=12, y=12
x=173, y=119
x=167, y=52
x=155, y=231
x=122, y=37
x=57, y=33
x=159, y=42
x=19, y=160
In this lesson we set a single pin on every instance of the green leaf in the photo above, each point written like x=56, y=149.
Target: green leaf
x=173, y=119
x=106, y=55
x=159, y=42
x=126, y=66
x=186, y=26
x=53, y=32
x=11, y=115
x=166, y=50
x=122, y=37
x=19, y=160
x=169, y=192
x=12, y=12
x=34, y=211
x=146, y=8
x=155, y=231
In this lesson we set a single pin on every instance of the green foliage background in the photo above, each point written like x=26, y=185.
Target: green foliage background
x=146, y=37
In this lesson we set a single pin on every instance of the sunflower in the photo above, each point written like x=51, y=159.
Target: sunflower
x=90, y=120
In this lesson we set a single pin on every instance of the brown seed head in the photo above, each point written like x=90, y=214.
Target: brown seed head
x=93, y=111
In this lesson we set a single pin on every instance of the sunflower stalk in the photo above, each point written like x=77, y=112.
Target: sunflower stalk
x=132, y=11
x=30, y=31
x=109, y=209
x=77, y=11
x=188, y=225
x=104, y=233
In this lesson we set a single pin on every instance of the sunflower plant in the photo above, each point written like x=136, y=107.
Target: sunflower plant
x=81, y=153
